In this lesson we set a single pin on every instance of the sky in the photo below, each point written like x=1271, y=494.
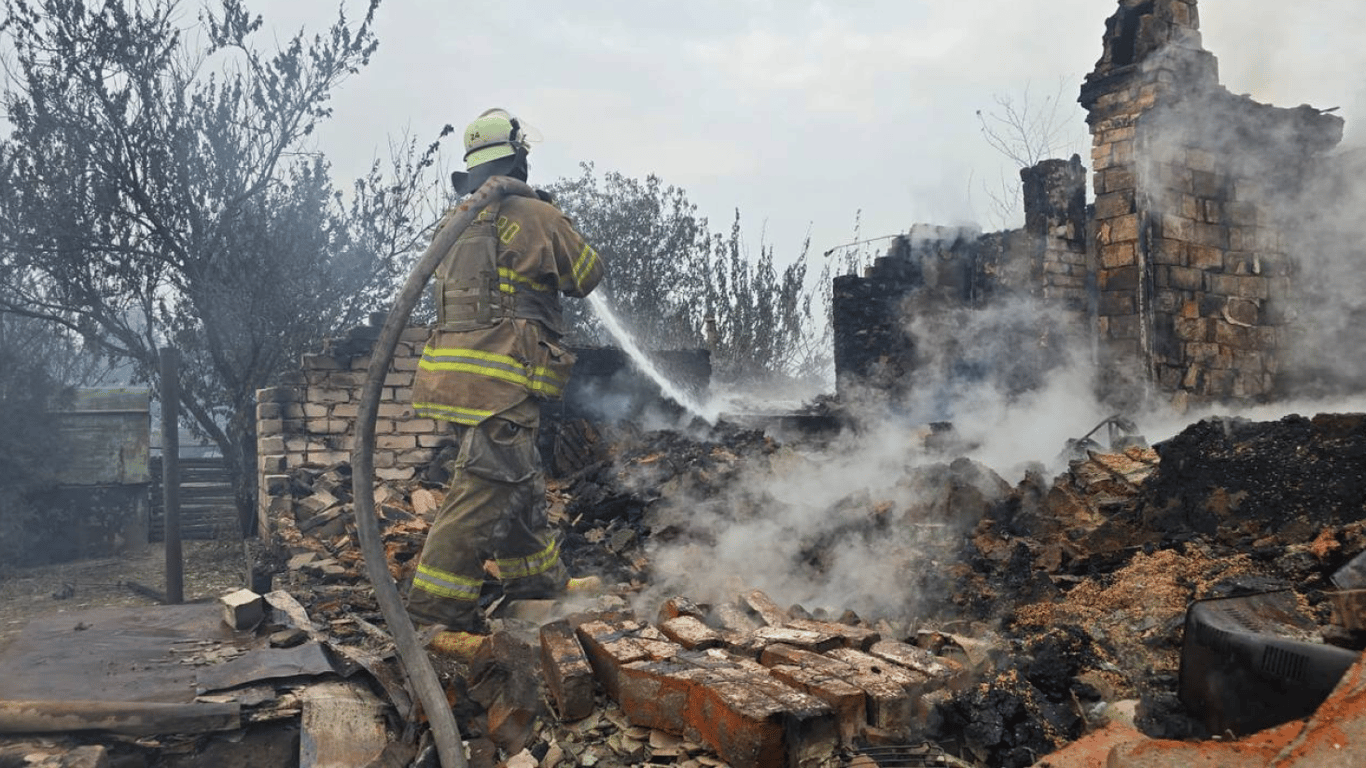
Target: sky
x=806, y=116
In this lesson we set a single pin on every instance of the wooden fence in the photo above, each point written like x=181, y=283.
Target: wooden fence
x=208, y=507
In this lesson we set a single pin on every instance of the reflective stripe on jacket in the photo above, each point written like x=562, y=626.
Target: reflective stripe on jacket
x=466, y=376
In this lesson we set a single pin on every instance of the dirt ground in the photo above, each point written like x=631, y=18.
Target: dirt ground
x=212, y=568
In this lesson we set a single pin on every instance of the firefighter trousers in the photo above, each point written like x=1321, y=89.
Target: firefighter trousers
x=494, y=509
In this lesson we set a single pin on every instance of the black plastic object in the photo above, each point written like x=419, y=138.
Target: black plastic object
x=1253, y=662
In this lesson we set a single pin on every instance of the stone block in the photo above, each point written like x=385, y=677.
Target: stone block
x=1114, y=204
x=396, y=442
x=851, y=636
x=416, y=426
x=1212, y=235
x=1118, y=255
x=1206, y=257
x=274, y=445
x=1214, y=212
x=327, y=426
x=269, y=411
x=1119, y=179
x=1207, y=184
x=269, y=427
x=734, y=618
x=276, y=395
x=327, y=458
x=315, y=411
x=1119, y=279
x=691, y=633
x=399, y=379
x=888, y=704
x=938, y=672
x=1185, y=278
x=656, y=694
x=1116, y=303
x=395, y=411
x=345, y=410
x=912, y=681
x=1177, y=228
x=321, y=363
x=1121, y=229
x=396, y=473
x=567, y=672
x=767, y=610
x=1240, y=213
x=680, y=606
x=743, y=725
x=242, y=609
x=847, y=701
x=415, y=334
x=1124, y=327
x=1191, y=329
x=275, y=485
x=329, y=395
x=806, y=639
x=406, y=363
x=609, y=646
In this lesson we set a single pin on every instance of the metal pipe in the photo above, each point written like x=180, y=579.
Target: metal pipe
x=412, y=655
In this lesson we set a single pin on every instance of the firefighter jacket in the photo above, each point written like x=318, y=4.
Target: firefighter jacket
x=499, y=322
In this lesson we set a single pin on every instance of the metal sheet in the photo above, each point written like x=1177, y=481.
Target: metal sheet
x=112, y=654
x=307, y=660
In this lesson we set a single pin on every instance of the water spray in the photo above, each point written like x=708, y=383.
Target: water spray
x=707, y=412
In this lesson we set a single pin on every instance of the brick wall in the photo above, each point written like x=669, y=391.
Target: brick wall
x=309, y=420
x=1190, y=181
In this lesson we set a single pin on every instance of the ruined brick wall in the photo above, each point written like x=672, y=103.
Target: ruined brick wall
x=1056, y=219
x=936, y=311
x=1190, y=258
x=309, y=420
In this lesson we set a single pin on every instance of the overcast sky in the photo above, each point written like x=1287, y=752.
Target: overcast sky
x=799, y=114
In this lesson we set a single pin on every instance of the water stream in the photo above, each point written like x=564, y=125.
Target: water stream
x=707, y=412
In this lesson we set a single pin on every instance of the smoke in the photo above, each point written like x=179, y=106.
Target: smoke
x=872, y=521
x=1262, y=204
x=867, y=521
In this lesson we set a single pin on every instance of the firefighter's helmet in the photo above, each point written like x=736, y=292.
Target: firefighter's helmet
x=496, y=144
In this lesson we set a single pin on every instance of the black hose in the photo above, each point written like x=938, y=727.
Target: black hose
x=411, y=655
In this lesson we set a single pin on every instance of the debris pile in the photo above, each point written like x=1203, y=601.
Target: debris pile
x=1051, y=614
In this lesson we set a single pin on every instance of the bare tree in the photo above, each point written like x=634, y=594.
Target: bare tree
x=1025, y=131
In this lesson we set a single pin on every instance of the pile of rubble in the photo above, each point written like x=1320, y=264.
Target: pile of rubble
x=1057, y=620
x=1062, y=609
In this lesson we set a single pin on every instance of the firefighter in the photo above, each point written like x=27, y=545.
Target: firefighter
x=493, y=356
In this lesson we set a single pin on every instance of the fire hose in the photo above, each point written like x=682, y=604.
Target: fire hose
x=412, y=655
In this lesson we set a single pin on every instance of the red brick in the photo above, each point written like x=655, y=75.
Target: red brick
x=655, y=694
x=743, y=643
x=610, y=646
x=735, y=619
x=680, y=606
x=691, y=633
x=914, y=683
x=567, y=671
x=805, y=639
x=740, y=722
x=940, y=673
x=846, y=700
x=767, y=610
x=860, y=638
x=888, y=704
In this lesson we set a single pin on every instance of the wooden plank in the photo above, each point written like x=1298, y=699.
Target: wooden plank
x=134, y=718
x=342, y=726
